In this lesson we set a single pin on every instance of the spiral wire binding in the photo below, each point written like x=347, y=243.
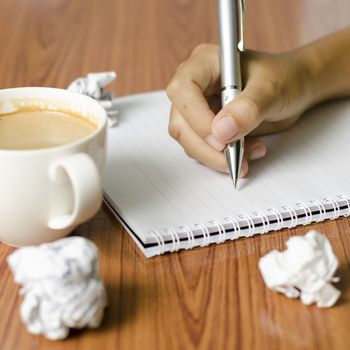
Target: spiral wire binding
x=160, y=241
x=251, y=222
x=293, y=216
x=235, y=226
x=206, y=234
x=176, y=239
x=190, y=237
x=347, y=201
x=307, y=212
x=279, y=218
x=321, y=209
x=155, y=236
x=335, y=206
x=264, y=220
x=221, y=230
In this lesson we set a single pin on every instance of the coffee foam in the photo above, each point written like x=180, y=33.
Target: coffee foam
x=49, y=105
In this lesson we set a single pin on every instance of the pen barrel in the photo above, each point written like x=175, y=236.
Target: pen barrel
x=228, y=95
x=229, y=37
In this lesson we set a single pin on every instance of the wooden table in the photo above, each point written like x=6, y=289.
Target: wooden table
x=209, y=298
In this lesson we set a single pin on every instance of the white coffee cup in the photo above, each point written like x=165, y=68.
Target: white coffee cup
x=46, y=193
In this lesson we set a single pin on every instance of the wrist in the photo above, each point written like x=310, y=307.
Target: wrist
x=327, y=68
x=312, y=68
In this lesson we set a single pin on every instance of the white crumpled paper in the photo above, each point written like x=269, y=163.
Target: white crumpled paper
x=304, y=270
x=61, y=286
x=93, y=85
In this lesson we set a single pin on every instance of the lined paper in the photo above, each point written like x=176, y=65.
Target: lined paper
x=154, y=185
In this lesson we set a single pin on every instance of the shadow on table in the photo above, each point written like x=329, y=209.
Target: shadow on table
x=343, y=285
x=124, y=304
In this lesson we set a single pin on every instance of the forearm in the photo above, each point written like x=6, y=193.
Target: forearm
x=328, y=66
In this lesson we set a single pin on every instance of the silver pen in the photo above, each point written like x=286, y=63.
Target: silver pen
x=232, y=38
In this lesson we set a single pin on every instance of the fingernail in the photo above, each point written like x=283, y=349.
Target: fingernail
x=257, y=152
x=211, y=140
x=225, y=128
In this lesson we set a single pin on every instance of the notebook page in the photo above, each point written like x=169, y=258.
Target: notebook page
x=155, y=185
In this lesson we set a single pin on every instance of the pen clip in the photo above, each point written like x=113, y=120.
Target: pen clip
x=241, y=15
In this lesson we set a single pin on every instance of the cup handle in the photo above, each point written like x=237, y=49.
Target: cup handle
x=86, y=186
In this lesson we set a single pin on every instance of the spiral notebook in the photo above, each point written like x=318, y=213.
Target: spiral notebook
x=167, y=201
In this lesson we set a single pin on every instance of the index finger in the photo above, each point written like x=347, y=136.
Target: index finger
x=197, y=76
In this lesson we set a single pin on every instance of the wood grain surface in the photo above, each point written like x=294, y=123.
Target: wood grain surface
x=208, y=298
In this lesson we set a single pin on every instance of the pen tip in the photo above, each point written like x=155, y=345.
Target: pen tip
x=235, y=183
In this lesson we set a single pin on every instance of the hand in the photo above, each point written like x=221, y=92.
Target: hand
x=275, y=95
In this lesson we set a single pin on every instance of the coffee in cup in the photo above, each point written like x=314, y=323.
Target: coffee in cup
x=23, y=130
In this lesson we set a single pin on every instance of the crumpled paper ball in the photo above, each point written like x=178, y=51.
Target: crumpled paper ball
x=93, y=85
x=305, y=269
x=61, y=286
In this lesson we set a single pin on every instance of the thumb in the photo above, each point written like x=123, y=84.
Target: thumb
x=241, y=116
